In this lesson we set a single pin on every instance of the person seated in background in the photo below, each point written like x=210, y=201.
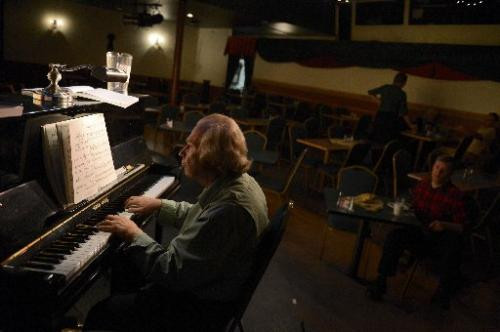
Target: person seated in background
x=392, y=112
x=440, y=207
x=482, y=146
x=192, y=283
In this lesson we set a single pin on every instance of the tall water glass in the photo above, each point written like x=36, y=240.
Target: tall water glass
x=122, y=62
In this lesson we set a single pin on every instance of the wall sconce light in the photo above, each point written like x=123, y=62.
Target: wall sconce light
x=55, y=24
x=189, y=15
x=156, y=40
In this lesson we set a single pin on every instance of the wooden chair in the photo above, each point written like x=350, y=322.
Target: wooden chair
x=481, y=231
x=352, y=181
x=383, y=165
x=355, y=156
x=280, y=187
x=402, y=163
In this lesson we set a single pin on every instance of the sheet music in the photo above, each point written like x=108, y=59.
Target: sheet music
x=96, y=138
x=110, y=97
x=87, y=156
x=53, y=161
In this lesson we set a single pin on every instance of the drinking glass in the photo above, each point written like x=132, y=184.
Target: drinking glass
x=122, y=62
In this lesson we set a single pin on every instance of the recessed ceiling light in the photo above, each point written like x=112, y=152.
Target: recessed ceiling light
x=189, y=15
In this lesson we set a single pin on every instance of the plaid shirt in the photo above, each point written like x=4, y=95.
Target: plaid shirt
x=444, y=203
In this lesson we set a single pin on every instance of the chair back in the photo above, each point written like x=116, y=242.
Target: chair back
x=294, y=133
x=191, y=118
x=239, y=113
x=336, y=131
x=357, y=154
x=352, y=181
x=293, y=171
x=363, y=127
x=191, y=99
x=217, y=107
x=302, y=111
x=490, y=216
x=385, y=159
x=266, y=248
x=462, y=147
x=275, y=133
x=355, y=180
x=402, y=163
x=324, y=121
x=255, y=140
x=312, y=127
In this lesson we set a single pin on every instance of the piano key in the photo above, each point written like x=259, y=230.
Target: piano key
x=88, y=242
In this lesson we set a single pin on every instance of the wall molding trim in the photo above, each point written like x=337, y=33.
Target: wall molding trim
x=364, y=104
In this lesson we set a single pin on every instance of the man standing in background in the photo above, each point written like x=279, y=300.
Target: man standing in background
x=391, y=111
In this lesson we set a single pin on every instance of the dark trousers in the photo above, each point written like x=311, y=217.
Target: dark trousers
x=134, y=306
x=444, y=247
x=385, y=127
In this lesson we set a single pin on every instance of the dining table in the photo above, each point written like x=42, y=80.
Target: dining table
x=328, y=145
x=385, y=215
x=252, y=123
x=421, y=140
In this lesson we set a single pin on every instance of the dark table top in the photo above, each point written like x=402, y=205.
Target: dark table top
x=385, y=215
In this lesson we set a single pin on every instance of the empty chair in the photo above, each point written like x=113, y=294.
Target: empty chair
x=362, y=129
x=239, y=113
x=402, y=163
x=217, y=107
x=482, y=230
x=191, y=118
x=383, y=166
x=280, y=187
x=352, y=181
x=462, y=148
x=310, y=162
x=324, y=121
x=191, y=99
x=355, y=156
x=302, y=112
x=275, y=133
x=264, y=253
x=256, y=141
x=384, y=162
x=312, y=127
x=336, y=131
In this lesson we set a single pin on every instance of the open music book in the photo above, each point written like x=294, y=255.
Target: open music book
x=77, y=158
x=88, y=92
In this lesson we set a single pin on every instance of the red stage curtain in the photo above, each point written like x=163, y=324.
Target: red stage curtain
x=241, y=46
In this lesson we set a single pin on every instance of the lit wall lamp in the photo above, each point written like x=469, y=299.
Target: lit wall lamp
x=156, y=40
x=55, y=24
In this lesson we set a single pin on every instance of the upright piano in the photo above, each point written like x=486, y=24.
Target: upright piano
x=49, y=255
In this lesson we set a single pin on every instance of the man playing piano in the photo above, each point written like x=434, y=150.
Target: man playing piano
x=439, y=206
x=191, y=284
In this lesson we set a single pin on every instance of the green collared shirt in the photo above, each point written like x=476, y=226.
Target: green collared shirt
x=211, y=255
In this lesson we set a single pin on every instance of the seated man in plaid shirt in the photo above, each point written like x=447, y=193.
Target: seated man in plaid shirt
x=439, y=205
